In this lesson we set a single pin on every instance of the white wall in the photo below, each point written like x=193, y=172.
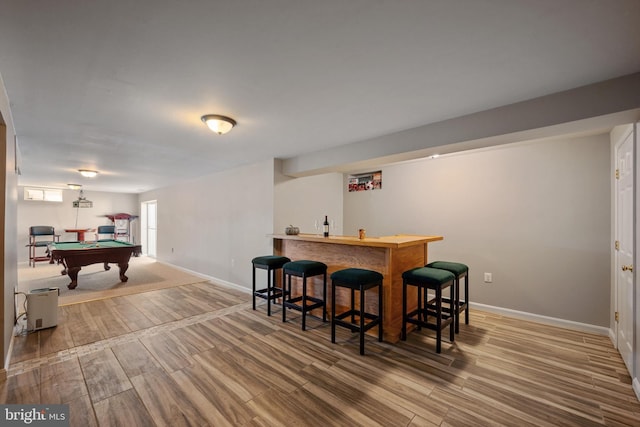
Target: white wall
x=536, y=215
x=64, y=215
x=216, y=224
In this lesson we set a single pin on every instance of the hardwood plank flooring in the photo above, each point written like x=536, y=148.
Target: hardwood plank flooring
x=199, y=355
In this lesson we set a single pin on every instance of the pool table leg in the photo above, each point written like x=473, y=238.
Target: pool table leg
x=73, y=275
x=123, y=268
x=107, y=266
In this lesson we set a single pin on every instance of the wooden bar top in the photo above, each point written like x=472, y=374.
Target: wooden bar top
x=395, y=241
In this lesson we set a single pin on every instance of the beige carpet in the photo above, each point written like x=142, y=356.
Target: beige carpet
x=94, y=282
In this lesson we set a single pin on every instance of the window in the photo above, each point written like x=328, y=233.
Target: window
x=43, y=194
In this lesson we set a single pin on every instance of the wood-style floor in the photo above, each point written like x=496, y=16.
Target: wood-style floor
x=199, y=355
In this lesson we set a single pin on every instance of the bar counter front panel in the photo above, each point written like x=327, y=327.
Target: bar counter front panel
x=388, y=255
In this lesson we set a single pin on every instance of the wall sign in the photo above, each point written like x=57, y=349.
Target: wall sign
x=365, y=181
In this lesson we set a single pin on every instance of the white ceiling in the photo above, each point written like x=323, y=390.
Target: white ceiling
x=119, y=86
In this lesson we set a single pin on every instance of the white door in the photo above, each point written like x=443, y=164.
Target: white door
x=149, y=227
x=625, y=254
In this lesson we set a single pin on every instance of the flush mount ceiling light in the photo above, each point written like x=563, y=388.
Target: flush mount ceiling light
x=219, y=124
x=87, y=173
x=74, y=186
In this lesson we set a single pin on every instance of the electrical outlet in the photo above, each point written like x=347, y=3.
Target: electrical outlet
x=488, y=277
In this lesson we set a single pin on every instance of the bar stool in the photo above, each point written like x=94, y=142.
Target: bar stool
x=303, y=303
x=459, y=270
x=425, y=278
x=360, y=280
x=271, y=263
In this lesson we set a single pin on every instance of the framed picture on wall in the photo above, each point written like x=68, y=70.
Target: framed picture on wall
x=365, y=181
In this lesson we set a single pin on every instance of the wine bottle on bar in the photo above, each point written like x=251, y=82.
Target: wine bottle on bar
x=325, y=224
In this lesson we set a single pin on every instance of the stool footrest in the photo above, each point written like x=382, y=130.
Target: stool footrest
x=355, y=327
x=461, y=304
x=293, y=303
x=431, y=305
x=264, y=293
x=423, y=324
x=431, y=311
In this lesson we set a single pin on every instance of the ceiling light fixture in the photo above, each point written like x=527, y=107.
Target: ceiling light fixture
x=218, y=124
x=74, y=186
x=87, y=173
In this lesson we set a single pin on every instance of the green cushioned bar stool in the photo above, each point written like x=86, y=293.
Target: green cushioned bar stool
x=459, y=270
x=271, y=263
x=425, y=278
x=356, y=279
x=305, y=302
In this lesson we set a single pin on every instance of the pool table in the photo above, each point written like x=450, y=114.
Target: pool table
x=75, y=255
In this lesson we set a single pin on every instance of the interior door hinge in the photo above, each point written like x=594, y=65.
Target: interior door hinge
x=617, y=245
x=617, y=173
x=617, y=317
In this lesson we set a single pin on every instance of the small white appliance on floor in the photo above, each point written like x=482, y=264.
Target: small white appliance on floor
x=42, y=308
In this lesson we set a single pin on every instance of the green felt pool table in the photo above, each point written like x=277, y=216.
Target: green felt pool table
x=74, y=255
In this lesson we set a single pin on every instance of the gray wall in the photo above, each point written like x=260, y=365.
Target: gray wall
x=63, y=215
x=216, y=224
x=301, y=202
x=536, y=215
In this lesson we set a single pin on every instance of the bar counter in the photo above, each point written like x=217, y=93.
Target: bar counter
x=389, y=255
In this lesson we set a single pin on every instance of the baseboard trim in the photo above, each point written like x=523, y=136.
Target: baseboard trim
x=636, y=387
x=553, y=321
x=209, y=278
x=4, y=371
x=612, y=337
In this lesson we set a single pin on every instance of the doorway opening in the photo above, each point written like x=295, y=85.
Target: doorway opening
x=148, y=227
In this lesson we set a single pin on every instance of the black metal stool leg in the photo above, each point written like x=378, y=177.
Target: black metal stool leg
x=380, y=295
x=453, y=309
x=438, y=319
x=333, y=311
x=362, y=321
x=457, y=304
x=304, y=302
x=353, y=306
x=324, y=297
x=269, y=291
x=420, y=312
x=403, y=331
x=466, y=299
x=253, y=287
x=286, y=290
